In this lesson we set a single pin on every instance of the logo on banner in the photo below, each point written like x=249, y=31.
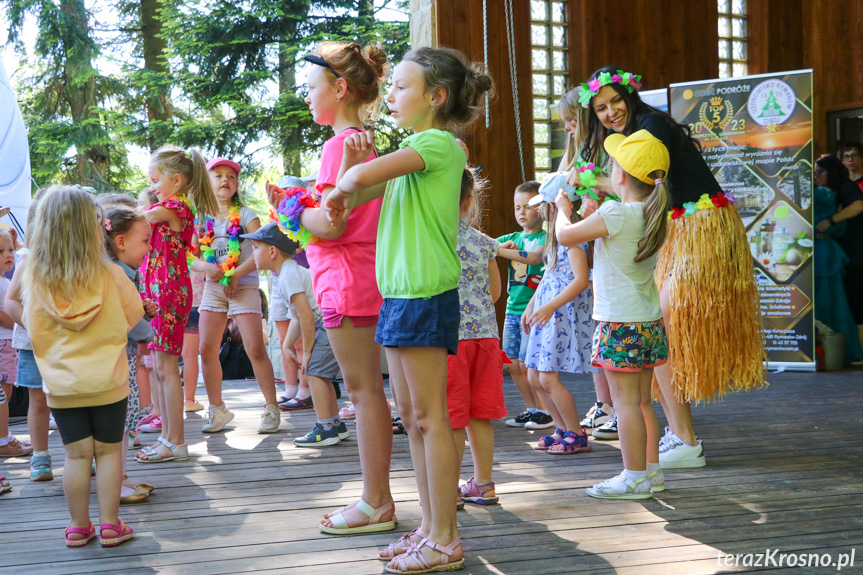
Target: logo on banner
x=716, y=113
x=771, y=103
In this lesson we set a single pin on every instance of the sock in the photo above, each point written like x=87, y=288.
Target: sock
x=46, y=452
x=290, y=391
x=651, y=467
x=8, y=439
x=545, y=411
x=532, y=410
x=329, y=423
x=634, y=475
x=303, y=393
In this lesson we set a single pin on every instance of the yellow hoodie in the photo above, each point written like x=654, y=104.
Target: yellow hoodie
x=80, y=345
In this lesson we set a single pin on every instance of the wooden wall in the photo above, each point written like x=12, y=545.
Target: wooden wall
x=825, y=35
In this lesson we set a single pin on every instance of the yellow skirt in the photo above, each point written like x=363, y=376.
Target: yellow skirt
x=715, y=338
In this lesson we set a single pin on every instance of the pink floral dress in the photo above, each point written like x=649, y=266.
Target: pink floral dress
x=166, y=278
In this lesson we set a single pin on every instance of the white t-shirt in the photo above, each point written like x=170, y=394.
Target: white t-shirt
x=220, y=242
x=5, y=332
x=294, y=279
x=623, y=291
x=20, y=337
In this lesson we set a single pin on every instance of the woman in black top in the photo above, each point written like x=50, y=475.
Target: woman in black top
x=704, y=274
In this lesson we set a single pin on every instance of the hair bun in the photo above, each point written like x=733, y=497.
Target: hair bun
x=377, y=58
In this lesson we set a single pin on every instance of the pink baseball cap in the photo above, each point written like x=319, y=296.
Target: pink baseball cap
x=224, y=162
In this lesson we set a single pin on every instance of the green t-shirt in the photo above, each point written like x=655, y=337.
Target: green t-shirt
x=418, y=231
x=523, y=279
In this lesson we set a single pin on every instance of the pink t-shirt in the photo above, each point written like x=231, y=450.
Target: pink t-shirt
x=343, y=270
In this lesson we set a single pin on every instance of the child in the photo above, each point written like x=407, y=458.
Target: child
x=630, y=336
x=179, y=180
x=475, y=375
x=231, y=288
x=418, y=271
x=558, y=321
x=274, y=252
x=127, y=243
x=78, y=309
x=9, y=445
x=344, y=92
x=148, y=398
x=523, y=280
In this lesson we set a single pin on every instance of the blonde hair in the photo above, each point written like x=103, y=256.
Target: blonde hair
x=118, y=221
x=172, y=160
x=549, y=213
x=6, y=235
x=363, y=69
x=66, y=247
x=473, y=186
x=569, y=109
x=655, y=198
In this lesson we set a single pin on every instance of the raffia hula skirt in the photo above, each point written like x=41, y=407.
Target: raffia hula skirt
x=715, y=338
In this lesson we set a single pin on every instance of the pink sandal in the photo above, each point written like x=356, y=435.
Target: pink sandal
x=406, y=542
x=88, y=532
x=423, y=566
x=349, y=412
x=473, y=492
x=124, y=533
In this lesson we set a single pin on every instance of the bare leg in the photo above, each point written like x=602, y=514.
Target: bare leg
x=600, y=383
x=626, y=389
x=76, y=482
x=481, y=434
x=543, y=401
x=37, y=419
x=678, y=413
x=109, y=477
x=4, y=411
x=167, y=373
x=191, y=345
x=293, y=376
x=144, y=394
x=212, y=327
x=359, y=358
x=519, y=378
x=253, y=342
x=562, y=400
x=323, y=397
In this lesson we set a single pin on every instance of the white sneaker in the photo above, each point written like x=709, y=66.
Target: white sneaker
x=51, y=423
x=270, y=420
x=621, y=487
x=217, y=418
x=607, y=430
x=657, y=481
x=675, y=454
x=598, y=415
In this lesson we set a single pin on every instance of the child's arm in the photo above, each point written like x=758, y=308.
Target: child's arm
x=306, y=319
x=163, y=214
x=12, y=303
x=571, y=235
x=494, y=280
x=578, y=261
x=528, y=311
x=316, y=222
x=291, y=337
x=530, y=258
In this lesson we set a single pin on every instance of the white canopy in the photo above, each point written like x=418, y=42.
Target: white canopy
x=15, y=187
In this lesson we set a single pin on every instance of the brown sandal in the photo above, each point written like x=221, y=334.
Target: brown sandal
x=16, y=448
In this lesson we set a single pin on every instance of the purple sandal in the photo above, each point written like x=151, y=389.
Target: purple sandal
x=572, y=444
x=473, y=492
x=547, y=441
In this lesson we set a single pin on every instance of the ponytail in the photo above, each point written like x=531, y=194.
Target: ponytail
x=655, y=216
x=200, y=188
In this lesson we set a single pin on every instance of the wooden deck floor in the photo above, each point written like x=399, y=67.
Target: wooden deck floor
x=785, y=472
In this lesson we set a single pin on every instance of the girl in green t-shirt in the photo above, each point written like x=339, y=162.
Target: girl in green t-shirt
x=435, y=91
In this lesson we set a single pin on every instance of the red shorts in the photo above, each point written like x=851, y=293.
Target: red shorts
x=474, y=382
x=332, y=319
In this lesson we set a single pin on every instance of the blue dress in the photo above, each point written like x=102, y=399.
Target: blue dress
x=831, y=302
x=563, y=344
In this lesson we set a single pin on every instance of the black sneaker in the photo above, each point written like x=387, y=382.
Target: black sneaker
x=608, y=430
x=598, y=416
x=519, y=420
x=539, y=420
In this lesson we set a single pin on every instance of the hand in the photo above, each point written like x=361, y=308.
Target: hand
x=275, y=194
x=822, y=226
x=541, y=316
x=463, y=147
x=508, y=245
x=231, y=288
x=358, y=146
x=588, y=206
x=307, y=357
x=292, y=358
x=563, y=203
x=573, y=179
x=214, y=272
x=149, y=307
x=338, y=206
x=525, y=324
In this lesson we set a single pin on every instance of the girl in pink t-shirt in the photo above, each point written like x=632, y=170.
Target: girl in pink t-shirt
x=344, y=89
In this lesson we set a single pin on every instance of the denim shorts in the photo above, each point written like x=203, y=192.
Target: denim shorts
x=194, y=319
x=28, y=371
x=514, y=341
x=424, y=322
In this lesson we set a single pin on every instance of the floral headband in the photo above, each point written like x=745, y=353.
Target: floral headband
x=591, y=89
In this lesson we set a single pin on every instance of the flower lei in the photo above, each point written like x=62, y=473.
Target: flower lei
x=233, y=257
x=705, y=202
x=287, y=215
x=587, y=172
x=590, y=89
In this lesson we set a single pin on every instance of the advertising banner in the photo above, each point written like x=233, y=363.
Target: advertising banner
x=756, y=135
